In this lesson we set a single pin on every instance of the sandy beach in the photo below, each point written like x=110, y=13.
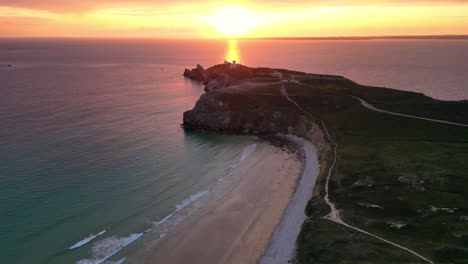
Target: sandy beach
x=283, y=241
x=235, y=226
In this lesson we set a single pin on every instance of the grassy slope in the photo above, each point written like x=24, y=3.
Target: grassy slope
x=406, y=166
x=402, y=101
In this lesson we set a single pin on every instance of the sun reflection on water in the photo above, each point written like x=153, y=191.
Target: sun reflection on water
x=232, y=51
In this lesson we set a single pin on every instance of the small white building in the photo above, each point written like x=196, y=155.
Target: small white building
x=234, y=64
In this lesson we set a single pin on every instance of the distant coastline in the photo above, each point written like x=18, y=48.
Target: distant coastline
x=421, y=37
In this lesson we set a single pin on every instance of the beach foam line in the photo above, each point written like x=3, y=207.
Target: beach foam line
x=179, y=207
x=108, y=247
x=247, y=151
x=88, y=239
x=120, y=261
x=245, y=154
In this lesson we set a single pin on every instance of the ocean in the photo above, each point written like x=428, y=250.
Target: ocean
x=92, y=155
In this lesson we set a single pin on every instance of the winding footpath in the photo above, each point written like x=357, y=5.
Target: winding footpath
x=334, y=214
x=375, y=109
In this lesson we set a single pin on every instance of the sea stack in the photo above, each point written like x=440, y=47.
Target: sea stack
x=196, y=74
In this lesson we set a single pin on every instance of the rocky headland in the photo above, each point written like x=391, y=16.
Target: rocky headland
x=240, y=99
x=368, y=139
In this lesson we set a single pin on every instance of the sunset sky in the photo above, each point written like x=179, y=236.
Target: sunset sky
x=215, y=19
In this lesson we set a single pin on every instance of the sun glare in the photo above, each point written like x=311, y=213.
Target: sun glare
x=232, y=52
x=233, y=21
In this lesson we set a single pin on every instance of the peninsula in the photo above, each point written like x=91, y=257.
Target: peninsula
x=392, y=181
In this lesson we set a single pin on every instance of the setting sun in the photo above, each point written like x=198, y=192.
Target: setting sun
x=233, y=21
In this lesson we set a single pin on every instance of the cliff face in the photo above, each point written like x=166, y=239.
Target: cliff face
x=233, y=102
x=237, y=113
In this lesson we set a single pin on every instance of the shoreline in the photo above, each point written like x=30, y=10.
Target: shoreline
x=282, y=246
x=235, y=225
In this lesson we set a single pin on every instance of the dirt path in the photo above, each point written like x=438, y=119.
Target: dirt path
x=373, y=108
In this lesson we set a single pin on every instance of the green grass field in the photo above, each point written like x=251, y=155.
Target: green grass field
x=390, y=171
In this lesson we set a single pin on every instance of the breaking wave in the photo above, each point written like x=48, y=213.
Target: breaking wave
x=179, y=207
x=88, y=239
x=108, y=247
x=245, y=154
x=247, y=151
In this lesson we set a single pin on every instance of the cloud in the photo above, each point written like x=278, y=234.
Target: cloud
x=192, y=19
x=23, y=20
x=85, y=5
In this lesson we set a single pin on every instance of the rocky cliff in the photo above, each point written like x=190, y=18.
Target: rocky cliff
x=237, y=113
x=240, y=99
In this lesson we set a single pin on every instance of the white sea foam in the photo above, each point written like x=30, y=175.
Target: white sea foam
x=190, y=200
x=245, y=154
x=120, y=261
x=247, y=151
x=87, y=239
x=108, y=247
x=179, y=207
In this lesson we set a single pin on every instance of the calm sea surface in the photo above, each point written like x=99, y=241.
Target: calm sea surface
x=92, y=155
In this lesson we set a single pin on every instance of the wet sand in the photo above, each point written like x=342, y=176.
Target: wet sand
x=235, y=226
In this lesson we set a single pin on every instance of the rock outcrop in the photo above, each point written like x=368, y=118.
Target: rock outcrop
x=197, y=74
x=223, y=75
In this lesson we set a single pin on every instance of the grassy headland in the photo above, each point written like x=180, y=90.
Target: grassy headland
x=399, y=178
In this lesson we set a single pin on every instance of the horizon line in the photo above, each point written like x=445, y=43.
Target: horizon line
x=402, y=37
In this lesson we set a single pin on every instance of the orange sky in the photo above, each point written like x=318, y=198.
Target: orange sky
x=214, y=19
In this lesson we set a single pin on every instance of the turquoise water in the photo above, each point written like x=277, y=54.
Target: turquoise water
x=92, y=154
x=91, y=144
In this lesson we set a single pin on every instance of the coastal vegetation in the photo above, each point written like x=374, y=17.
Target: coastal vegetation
x=399, y=178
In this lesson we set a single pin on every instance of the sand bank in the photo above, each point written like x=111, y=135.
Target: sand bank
x=236, y=226
x=283, y=242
